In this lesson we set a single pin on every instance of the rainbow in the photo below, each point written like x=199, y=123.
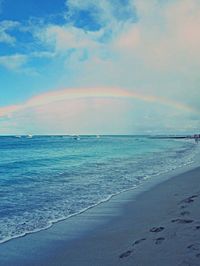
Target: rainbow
x=85, y=93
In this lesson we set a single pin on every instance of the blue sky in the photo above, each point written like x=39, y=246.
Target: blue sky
x=146, y=49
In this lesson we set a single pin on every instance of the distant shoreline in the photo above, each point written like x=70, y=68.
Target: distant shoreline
x=105, y=135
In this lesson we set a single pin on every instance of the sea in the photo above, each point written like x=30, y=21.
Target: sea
x=45, y=179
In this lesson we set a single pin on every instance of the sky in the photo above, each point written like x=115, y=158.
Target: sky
x=99, y=67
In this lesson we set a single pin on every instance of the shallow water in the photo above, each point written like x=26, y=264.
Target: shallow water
x=46, y=179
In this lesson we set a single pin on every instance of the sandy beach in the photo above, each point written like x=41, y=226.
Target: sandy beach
x=160, y=226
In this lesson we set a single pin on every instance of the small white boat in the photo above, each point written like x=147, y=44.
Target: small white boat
x=29, y=136
x=76, y=137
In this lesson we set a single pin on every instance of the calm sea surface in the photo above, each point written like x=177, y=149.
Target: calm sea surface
x=46, y=179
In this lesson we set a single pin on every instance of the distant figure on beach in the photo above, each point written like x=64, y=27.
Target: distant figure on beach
x=196, y=138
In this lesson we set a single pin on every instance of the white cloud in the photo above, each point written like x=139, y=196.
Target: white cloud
x=101, y=9
x=160, y=53
x=6, y=26
x=19, y=62
x=105, y=12
x=62, y=38
x=13, y=62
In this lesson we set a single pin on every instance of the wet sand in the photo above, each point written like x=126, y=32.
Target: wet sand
x=159, y=227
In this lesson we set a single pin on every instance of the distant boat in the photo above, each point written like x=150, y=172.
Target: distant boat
x=77, y=138
x=29, y=136
x=18, y=136
x=97, y=136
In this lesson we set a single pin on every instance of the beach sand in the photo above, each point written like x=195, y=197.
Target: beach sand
x=159, y=227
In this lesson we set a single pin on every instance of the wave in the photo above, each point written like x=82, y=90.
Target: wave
x=129, y=173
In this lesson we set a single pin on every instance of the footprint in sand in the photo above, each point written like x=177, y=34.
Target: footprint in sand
x=128, y=252
x=157, y=229
x=125, y=254
x=159, y=240
x=189, y=199
x=182, y=221
x=198, y=255
x=195, y=246
x=139, y=241
x=183, y=213
x=197, y=227
x=183, y=207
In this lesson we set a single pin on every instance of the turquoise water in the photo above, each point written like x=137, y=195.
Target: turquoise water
x=46, y=179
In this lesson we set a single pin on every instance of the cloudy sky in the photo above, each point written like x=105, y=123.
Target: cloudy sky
x=99, y=67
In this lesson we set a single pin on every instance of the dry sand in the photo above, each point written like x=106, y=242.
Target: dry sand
x=160, y=227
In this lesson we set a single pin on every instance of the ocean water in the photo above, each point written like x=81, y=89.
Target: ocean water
x=45, y=179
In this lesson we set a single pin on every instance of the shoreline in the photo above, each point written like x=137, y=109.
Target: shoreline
x=63, y=235
x=145, y=185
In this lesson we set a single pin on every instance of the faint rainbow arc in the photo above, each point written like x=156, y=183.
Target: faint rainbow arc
x=83, y=93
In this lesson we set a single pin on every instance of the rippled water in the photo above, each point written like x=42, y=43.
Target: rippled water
x=46, y=179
